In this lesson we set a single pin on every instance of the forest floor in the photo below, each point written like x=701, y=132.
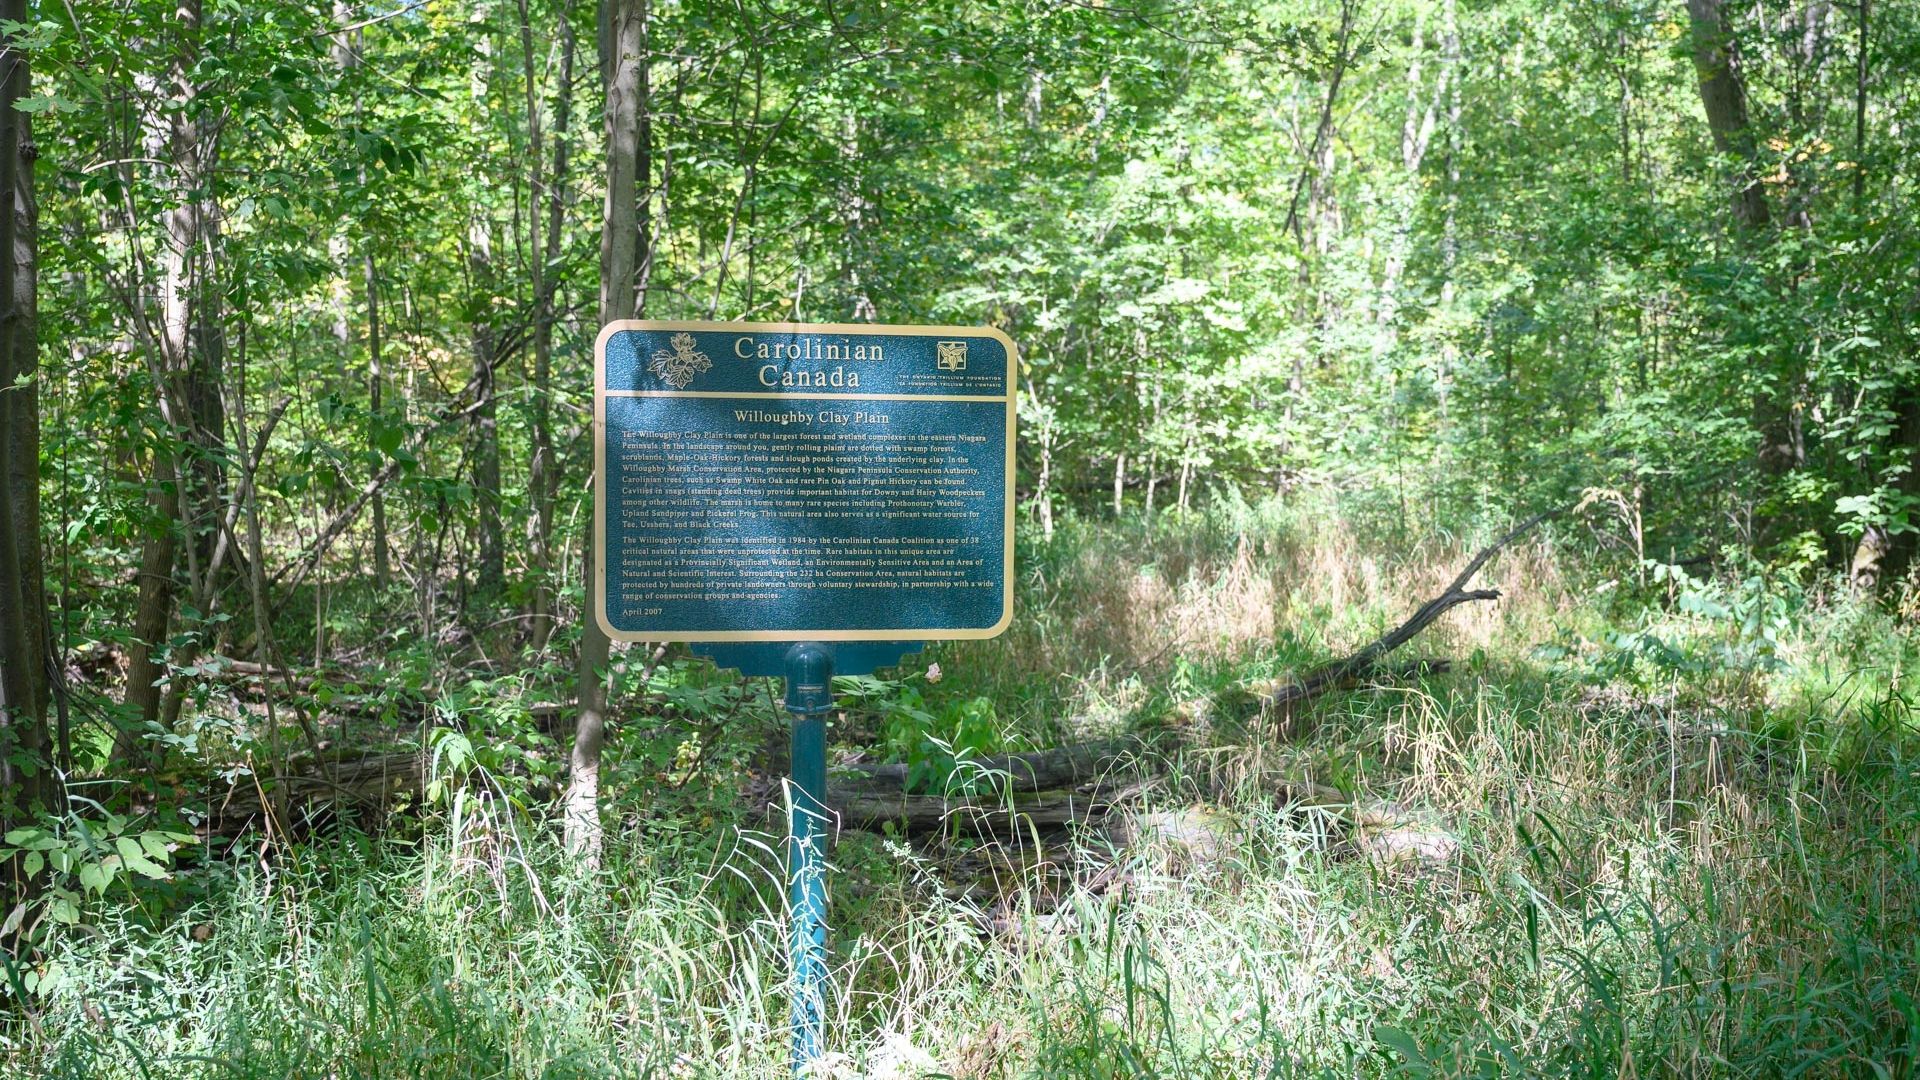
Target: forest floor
x=1648, y=824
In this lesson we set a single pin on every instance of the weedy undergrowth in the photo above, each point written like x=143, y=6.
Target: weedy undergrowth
x=1698, y=858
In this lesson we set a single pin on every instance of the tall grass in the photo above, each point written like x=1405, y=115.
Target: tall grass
x=1657, y=867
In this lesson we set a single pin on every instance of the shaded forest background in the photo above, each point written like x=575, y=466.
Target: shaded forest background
x=301, y=302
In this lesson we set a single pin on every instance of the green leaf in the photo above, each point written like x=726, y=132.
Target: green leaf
x=155, y=845
x=1402, y=1043
x=95, y=877
x=63, y=910
x=137, y=860
x=44, y=103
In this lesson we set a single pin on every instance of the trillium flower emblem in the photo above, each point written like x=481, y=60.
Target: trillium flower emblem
x=679, y=367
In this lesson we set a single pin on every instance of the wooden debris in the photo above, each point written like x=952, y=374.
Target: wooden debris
x=1195, y=840
x=1361, y=664
x=1043, y=789
x=1393, y=837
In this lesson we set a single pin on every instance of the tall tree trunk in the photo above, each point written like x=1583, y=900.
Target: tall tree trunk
x=542, y=475
x=25, y=745
x=1315, y=173
x=1416, y=134
x=1186, y=470
x=1717, y=62
x=1450, y=224
x=623, y=71
x=376, y=377
x=153, y=607
x=1860, y=110
x=194, y=232
x=1314, y=185
x=486, y=412
x=346, y=57
x=1881, y=554
x=1723, y=92
x=1043, y=480
x=187, y=379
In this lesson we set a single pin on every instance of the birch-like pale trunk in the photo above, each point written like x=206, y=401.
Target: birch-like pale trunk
x=1416, y=134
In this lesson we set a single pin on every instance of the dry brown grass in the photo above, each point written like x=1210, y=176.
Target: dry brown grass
x=1114, y=609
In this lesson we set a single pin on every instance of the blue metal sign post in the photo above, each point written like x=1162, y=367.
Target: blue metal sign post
x=809, y=695
x=803, y=500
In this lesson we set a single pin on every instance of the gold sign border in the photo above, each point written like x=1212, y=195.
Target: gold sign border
x=600, y=394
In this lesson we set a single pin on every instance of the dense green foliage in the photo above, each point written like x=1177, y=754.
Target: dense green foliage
x=1511, y=274
x=1310, y=293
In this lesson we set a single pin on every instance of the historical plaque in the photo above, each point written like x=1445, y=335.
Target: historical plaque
x=802, y=482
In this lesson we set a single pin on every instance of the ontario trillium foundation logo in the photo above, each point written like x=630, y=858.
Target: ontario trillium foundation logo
x=677, y=368
x=951, y=356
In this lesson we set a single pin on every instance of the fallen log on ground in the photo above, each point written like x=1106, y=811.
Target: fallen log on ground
x=1359, y=664
x=1084, y=774
x=1035, y=770
x=1042, y=788
x=1013, y=812
x=351, y=694
x=1289, y=694
x=309, y=789
x=874, y=810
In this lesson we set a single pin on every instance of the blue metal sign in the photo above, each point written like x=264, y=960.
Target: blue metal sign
x=845, y=488
x=766, y=482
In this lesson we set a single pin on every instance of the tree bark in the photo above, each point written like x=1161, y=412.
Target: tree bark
x=485, y=415
x=382, y=569
x=542, y=474
x=1319, y=164
x=623, y=71
x=26, y=782
x=187, y=473
x=1860, y=110
x=1716, y=60
x=153, y=607
x=1416, y=135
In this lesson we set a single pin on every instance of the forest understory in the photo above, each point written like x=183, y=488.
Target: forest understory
x=1664, y=825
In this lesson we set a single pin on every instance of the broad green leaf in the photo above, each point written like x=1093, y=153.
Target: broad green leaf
x=155, y=845
x=63, y=910
x=136, y=859
x=96, y=876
